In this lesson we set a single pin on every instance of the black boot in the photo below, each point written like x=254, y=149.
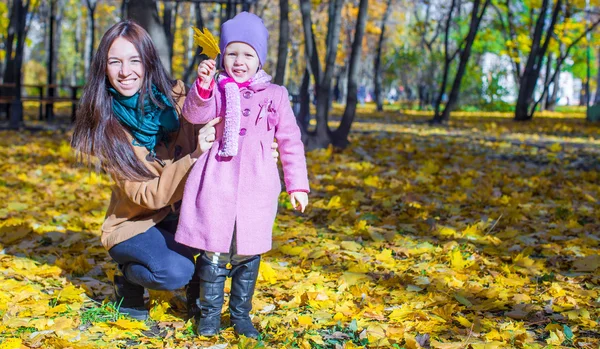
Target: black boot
x=243, y=281
x=212, y=284
x=192, y=293
x=129, y=298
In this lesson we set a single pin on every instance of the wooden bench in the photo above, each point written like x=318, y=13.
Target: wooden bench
x=46, y=103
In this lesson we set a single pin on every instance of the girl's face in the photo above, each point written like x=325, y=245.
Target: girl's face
x=240, y=61
x=124, y=67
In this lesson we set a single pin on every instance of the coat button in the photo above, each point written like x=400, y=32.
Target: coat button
x=242, y=132
x=246, y=112
x=247, y=94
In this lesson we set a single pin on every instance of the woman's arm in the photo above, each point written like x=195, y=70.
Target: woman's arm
x=167, y=187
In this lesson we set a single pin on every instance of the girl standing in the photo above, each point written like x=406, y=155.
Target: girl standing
x=230, y=198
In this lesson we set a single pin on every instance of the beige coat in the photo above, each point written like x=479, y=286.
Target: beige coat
x=137, y=206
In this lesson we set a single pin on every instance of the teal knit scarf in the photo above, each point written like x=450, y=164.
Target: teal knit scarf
x=149, y=126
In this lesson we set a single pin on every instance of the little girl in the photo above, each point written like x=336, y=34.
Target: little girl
x=230, y=197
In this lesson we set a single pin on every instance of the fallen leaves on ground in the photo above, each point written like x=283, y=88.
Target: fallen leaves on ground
x=483, y=233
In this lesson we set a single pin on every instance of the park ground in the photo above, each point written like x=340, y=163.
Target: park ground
x=482, y=233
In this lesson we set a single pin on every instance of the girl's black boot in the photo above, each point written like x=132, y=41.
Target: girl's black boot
x=243, y=282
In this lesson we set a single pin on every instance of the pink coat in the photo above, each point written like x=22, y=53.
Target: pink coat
x=241, y=191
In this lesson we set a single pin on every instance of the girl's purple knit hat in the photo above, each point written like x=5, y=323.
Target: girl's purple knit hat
x=249, y=29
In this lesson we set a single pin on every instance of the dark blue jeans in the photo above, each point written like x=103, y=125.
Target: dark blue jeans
x=155, y=260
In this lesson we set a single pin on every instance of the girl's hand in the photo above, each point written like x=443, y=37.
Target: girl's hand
x=206, y=138
x=299, y=200
x=206, y=72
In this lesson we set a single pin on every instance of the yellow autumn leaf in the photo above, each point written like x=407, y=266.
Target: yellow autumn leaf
x=304, y=320
x=204, y=39
x=61, y=308
x=291, y=250
x=159, y=312
x=555, y=338
x=70, y=294
x=334, y=202
x=11, y=343
x=125, y=324
x=457, y=261
x=267, y=273
x=555, y=147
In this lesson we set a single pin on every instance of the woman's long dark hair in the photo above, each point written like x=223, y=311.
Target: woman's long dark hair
x=97, y=131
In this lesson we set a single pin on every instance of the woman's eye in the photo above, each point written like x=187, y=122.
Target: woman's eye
x=135, y=61
x=113, y=62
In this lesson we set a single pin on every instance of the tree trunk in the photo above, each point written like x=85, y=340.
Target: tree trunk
x=89, y=35
x=322, y=136
x=447, y=60
x=554, y=96
x=191, y=68
x=16, y=109
x=310, y=45
x=284, y=39
x=77, y=48
x=597, y=99
x=56, y=9
x=303, y=116
x=169, y=25
x=464, y=56
x=525, y=100
x=546, y=94
x=378, y=76
x=312, y=68
x=146, y=14
x=340, y=136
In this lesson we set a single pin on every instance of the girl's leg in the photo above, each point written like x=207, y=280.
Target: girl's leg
x=212, y=273
x=243, y=281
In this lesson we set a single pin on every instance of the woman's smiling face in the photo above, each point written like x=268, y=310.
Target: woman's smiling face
x=124, y=67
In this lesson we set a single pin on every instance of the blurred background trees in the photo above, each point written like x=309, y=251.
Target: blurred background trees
x=506, y=55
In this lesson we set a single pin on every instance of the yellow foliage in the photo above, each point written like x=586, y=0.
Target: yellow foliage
x=481, y=233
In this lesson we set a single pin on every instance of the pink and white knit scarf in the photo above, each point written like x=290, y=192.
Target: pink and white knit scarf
x=233, y=111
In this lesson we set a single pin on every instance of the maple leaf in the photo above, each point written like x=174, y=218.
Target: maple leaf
x=206, y=41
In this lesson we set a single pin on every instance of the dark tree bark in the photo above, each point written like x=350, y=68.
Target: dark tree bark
x=465, y=54
x=17, y=30
x=55, y=33
x=426, y=77
x=448, y=58
x=564, y=53
x=526, y=105
x=303, y=116
x=509, y=34
x=284, y=39
x=533, y=66
x=597, y=99
x=340, y=136
x=90, y=34
x=378, y=75
x=191, y=68
x=146, y=14
x=321, y=137
x=170, y=12
x=312, y=68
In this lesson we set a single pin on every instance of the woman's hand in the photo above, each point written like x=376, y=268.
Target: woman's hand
x=206, y=72
x=299, y=200
x=206, y=138
x=274, y=151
